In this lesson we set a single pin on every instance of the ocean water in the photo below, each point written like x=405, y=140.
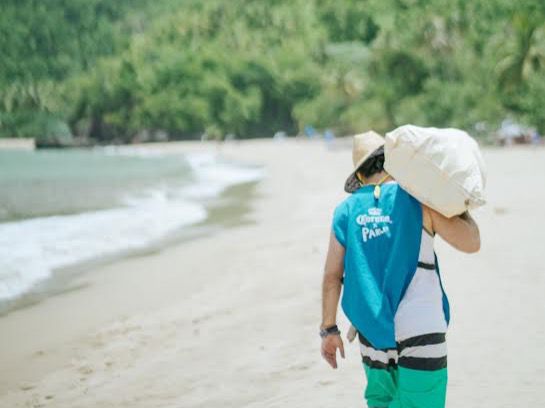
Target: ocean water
x=63, y=208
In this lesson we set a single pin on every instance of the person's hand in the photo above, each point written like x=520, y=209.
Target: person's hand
x=330, y=344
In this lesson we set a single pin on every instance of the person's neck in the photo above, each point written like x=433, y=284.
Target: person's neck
x=377, y=178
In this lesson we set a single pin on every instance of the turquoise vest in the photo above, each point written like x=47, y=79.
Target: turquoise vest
x=381, y=238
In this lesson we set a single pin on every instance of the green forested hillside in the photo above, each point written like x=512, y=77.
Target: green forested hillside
x=106, y=70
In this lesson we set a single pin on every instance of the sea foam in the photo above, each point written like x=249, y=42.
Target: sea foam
x=32, y=249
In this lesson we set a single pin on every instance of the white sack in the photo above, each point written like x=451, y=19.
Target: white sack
x=442, y=168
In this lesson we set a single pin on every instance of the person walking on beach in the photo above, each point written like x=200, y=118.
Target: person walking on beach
x=381, y=249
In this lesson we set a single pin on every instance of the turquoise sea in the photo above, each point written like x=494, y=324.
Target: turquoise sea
x=60, y=208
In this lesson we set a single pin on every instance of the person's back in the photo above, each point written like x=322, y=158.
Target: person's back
x=381, y=236
x=382, y=246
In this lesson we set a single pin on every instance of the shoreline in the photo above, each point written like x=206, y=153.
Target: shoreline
x=21, y=344
x=222, y=212
x=17, y=144
x=230, y=319
x=228, y=210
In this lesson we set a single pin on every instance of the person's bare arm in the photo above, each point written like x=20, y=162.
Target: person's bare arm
x=332, y=282
x=331, y=292
x=460, y=231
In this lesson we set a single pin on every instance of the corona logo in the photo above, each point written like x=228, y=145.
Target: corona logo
x=374, y=211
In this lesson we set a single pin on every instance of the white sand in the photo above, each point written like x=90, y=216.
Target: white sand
x=230, y=320
x=17, y=144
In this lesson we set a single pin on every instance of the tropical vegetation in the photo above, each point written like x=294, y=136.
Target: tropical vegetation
x=103, y=71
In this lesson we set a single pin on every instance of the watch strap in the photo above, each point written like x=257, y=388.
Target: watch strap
x=329, y=330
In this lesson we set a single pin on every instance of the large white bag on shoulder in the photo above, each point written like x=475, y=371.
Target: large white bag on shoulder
x=442, y=168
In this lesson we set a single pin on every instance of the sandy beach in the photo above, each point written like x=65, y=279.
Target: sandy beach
x=230, y=318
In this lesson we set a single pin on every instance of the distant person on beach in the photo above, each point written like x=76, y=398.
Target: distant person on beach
x=381, y=248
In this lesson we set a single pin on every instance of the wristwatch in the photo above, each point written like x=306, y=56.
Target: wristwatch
x=329, y=330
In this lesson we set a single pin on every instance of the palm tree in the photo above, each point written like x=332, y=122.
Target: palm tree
x=525, y=53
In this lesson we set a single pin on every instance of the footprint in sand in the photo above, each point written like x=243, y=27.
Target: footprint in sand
x=27, y=386
x=35, y=402
x=500, y=210
x=299, y=367
x=85, y=370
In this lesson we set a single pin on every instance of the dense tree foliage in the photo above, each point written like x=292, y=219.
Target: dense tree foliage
x=122, y=70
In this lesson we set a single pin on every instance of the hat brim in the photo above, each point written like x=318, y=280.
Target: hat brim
x=352, y=183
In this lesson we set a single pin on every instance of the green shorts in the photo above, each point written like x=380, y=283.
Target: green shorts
x=413, y=375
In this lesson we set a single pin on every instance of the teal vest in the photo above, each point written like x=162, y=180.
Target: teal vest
x=381, y=238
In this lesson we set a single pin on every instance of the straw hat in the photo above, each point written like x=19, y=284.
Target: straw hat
x=365, y=144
